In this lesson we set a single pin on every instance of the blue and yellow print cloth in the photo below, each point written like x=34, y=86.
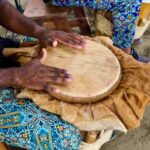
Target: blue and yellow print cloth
x=125, y=14
x=23, y=124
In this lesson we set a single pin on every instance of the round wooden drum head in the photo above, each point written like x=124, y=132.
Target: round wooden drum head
x=95, y=69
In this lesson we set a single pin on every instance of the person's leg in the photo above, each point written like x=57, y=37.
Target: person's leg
x=23, y=124
x=125, y=15
x=93, y=4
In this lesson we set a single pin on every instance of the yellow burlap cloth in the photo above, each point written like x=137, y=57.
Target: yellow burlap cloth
x=122, y=110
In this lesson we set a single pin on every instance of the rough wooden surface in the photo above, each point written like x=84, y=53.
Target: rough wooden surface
x=95, y=69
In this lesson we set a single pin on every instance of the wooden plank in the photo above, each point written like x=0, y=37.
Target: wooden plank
x=61, y=23
x=3, y=146
x=79, y=13
x=79, y=22
x=145, y=11
x=37, y=9
x=40, y=13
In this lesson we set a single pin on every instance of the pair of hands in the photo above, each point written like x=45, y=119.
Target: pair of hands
x=37, y=76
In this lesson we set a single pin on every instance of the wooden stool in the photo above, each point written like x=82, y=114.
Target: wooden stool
x=56, y=17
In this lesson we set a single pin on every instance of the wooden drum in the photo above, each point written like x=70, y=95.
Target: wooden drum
x=95, y=69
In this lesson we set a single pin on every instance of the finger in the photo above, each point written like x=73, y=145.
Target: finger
x=57, y=79
x=69, y=76
x=72, y=42
x=73, y=45
x=52, y=42
x=43, y=55
x=55, y=70
x=78, y=39
x=52, y=74
x=48, y=88
x=66, y=75
x=77, y=44
x=55, y=43
x=77, y=36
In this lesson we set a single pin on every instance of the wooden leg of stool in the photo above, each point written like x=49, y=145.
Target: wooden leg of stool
x=3, y=146
x=91, y=136
x=83, y=134
x=100, y=141
x=81, y=16
x=62, y=23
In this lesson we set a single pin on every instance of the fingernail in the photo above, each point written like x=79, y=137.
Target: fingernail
x=69, y=80
x=55, y=43
x=56, y=91
x=71, y=77
x=79, y=47
x=83, y=46
x=44, y=49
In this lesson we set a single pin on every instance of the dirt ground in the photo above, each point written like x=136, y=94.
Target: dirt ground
x=138, y=139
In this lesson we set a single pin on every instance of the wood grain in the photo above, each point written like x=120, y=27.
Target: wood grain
x=95, y=70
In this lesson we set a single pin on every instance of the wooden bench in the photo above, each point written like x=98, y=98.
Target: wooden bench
x=57, y=17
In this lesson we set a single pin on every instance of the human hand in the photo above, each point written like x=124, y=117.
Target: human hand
x=34, y=75
x=52, y=38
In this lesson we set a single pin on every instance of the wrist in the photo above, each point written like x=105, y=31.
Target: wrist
x=8, y=78
x=38, y=32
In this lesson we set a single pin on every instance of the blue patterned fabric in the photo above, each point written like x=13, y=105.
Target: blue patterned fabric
x=125, y=14
x=23, y=124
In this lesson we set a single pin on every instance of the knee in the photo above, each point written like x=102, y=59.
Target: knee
x=72, y=137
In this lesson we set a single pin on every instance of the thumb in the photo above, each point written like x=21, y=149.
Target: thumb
x=43, y=55
x=52, y=42
x=49, y=42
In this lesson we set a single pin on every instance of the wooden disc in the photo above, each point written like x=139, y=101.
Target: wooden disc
x=95, y=70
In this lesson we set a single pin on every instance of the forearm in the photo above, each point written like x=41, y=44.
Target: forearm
x=8, y=77
x=16, y=22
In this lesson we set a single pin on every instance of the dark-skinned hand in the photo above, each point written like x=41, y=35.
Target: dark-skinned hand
x=37, y=76
x=52, y=38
